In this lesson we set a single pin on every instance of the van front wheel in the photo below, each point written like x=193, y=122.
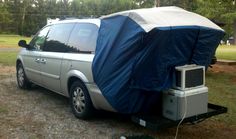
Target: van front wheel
x=22, y=80
x=80, y=101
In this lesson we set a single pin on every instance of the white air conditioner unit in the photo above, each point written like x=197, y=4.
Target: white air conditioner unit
x=189, y=77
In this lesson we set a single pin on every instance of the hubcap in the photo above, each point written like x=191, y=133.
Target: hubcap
x=78, y=100
x=20, y=76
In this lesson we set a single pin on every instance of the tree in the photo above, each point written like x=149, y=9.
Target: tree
x=98, y=8
x=220, y=10
x=5, y=17
x=145, y=3
x=186, y=4
x=27, y=16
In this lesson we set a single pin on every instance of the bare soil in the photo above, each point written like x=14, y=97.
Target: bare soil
x=39, y=113
x=217, y=68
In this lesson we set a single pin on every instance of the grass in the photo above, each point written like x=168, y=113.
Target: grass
x=222, y=91
x=226, y=52
x=8, y=58
x=11, y=41
x=3, y=110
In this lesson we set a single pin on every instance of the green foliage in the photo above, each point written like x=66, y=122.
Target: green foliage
x=186, y=4
x=100, y=7
x=30, y=15
x=25, y=17
x=220, y=10
x=210, y=8
x=144, y=3
x=5, y=17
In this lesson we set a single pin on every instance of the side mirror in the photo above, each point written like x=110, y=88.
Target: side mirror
x=22, y=43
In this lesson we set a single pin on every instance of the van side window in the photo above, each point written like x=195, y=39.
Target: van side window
x=83, y=38
x=37, y=42
x=58, y=37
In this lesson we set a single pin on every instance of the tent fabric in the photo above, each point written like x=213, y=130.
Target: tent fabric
x=165, y=17
x=137, y=52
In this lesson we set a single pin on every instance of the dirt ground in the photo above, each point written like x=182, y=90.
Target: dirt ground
x=39, y=113
x=223, y=68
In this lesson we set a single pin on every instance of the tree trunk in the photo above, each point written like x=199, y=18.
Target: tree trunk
x=23, y=21
x=157, y=3
x=234, y=31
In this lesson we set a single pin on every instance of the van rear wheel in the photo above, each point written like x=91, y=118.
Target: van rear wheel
x=80, y=101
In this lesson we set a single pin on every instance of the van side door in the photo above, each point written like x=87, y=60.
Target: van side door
x=52, y=54
x=81, y=48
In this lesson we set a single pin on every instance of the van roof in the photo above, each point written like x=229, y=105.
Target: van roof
x=95, y=21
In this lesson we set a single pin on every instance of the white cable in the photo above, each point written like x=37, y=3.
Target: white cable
x=185, y=112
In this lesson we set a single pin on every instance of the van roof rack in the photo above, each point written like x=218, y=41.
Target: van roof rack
x=79, y=17
x=67, y=18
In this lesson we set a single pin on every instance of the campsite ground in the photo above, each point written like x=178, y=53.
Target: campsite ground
x=39, y=113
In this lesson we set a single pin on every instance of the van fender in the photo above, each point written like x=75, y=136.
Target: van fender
x=74, y=74
x=78, y=74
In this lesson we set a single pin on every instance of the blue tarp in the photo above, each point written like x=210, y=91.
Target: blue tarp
x=131, y=66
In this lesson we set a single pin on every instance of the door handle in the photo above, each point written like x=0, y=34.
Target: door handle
x=37, y=60
x=43, y=61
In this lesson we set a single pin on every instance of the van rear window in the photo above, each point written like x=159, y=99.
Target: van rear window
x=83, y=38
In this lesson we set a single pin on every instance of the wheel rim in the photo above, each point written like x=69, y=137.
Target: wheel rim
x=20, y=76
x=78, y=100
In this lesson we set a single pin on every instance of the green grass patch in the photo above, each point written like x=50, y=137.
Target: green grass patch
x=8, y=58
x=11, y=41
x=3, y=110
x=226, y=52
x=222, y=91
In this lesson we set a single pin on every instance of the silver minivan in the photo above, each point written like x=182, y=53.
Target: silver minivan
x=59, y=58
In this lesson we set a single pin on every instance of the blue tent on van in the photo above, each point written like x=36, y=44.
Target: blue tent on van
x=137, y=52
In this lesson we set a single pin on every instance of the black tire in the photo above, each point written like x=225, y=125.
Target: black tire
x=22, y=80
x=213, y=60
x=80, y=101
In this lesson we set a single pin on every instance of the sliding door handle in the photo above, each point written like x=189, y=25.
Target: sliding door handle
x=37, y=60
x=43, y=61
